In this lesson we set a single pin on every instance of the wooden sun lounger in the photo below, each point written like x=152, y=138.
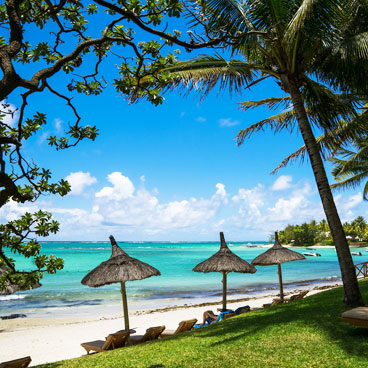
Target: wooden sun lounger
x=183, y=326
x=17, y=363
x=275, y=301
x=301, y=295
x=357, y=316
x=228, y=315
x=292, y=298
x=242, y=310
x=113, y=341
x=152, y=333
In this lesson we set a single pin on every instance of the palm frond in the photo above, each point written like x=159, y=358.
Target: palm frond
x=327, y=107
x=351, y=183
x=331, y=141
x=285, y=120
x=297, y=22
x=319, y=13
x=298, y=155
x=354, y=47
x=365, y=191
x=225, y=16
x=272, y=103
x=202, y=74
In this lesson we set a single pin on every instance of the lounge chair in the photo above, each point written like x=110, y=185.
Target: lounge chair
x=183, y=326
x=275, y=301
x=292, y=298
x=301, y=295
x=226, y=315
x=242, y=310
x=17, y=363
x=152, y=333
x=113, y=341
x=357, y=316
x=223, y=315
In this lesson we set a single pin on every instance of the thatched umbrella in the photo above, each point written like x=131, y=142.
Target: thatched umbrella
x=119, y=268
x=224, y=261
x=10, y=288
x=275, y=256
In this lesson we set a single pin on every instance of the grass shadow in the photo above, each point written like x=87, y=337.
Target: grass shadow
x=315, y=313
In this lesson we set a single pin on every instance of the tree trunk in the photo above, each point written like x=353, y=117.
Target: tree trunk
x=352, y=296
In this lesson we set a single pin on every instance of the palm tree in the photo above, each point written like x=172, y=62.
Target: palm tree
x=293, y=42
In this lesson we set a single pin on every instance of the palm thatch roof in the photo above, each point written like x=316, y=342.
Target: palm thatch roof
x=10, y=288
x=277, y=255
x=120, y=267
x=224, y=261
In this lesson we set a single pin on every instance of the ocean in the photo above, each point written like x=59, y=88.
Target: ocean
x=63, y=295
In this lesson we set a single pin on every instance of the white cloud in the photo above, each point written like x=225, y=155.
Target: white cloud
x=138, y=213
x=285, y=209
x=121, y=205
x=76, y=217
x=201, y=119
x=79, y=180
x=43, y=137
x=220, y=193
x=228, y=122
x=282, y=183
x=12, y=210
x=353, y=201
x=58, y=125
x=296, y=208
x=122, y=187
x=250, y=202
x=11, y=113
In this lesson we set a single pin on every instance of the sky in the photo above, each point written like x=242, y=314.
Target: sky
x=172, y=172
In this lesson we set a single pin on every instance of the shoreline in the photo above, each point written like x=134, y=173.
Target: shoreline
x=48, y=340
x=163, y=301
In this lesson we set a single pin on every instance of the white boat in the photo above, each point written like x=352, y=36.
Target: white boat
x=312, y=254
x=356, y=253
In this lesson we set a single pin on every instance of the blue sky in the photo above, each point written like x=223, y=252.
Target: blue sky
x=173, y=172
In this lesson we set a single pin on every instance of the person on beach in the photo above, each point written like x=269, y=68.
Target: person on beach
x=209, y=317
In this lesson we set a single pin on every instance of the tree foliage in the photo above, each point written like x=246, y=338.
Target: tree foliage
x=43, y=39
x=310, y=233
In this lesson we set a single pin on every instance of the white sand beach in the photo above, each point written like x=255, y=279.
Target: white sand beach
x=50, y=340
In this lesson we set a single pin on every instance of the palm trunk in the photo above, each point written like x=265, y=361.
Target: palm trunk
x=352, y=296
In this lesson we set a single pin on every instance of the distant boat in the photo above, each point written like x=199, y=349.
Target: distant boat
x=309, y=248
x=356, y=253
x=252, y=246
x=312, y=254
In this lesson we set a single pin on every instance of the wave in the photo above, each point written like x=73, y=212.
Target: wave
x=167, y=247
x=12, y=297
x=83, y=248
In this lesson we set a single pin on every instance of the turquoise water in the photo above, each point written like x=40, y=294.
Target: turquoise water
x=63, y=293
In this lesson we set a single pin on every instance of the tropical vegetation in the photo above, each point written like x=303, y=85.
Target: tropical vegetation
x=305, y=333
x=43, y=42
x=304, y=46
x=311, y=233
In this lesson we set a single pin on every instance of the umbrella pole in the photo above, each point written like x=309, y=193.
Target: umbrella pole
x=125, y=305
x=280, y=282
x=224, y=287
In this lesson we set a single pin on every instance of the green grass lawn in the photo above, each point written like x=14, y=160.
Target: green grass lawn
x=306, y=333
